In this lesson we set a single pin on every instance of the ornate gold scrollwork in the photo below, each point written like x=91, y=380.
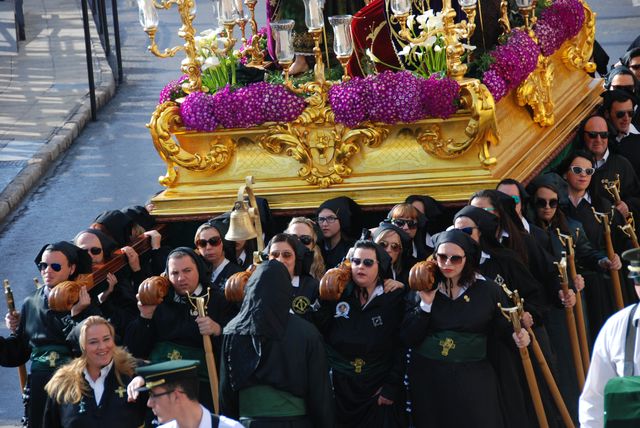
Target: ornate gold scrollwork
x=577, y=51
x=165, y=120
x=536, y=92
x=481, y=128
x=323, y=147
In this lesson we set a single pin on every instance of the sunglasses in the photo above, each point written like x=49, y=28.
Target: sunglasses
x=594, y=134
x=628, y=88
x=622, y=113
x=467, y=230
x=367, y=262
x=635, y=67
x=394, y=245
x=543, y=203
x=57, y=267
x=95, y=250
x=579, y=170
x=329, y=220
x=305, y=239
x=214, y=242
x=454, y=260
x=276, y=254
x=411, y=224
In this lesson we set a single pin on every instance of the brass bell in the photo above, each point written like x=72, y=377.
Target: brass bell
x=241, y=226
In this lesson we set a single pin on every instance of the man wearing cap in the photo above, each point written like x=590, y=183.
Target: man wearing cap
x=173, y=395
x=40, y=334
x=608, y=357
x=173, y=330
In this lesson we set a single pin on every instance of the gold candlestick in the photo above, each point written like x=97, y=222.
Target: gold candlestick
x=344, y=60
x=317, y=52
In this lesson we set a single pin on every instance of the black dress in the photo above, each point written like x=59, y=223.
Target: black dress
x=46, y=338
x=113, y=410
x=305, y=296
x=366, y=357
x=463, y=392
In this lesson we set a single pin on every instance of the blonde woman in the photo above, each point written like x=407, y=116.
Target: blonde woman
x=90, y=391
x=304, y=229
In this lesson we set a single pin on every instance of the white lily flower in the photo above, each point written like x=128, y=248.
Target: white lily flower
x=405, y=50
x=429, y=42
x=206, y=32
x=437, y=48
x=371, y=56
x=468, y=47
x=422, y=20
x=410, y=21
x=435, y=22
x=212, y=61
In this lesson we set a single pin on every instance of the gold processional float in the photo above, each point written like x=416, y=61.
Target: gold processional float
x=299, y=164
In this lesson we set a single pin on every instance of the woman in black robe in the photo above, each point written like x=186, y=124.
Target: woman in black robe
x=216, y=251
x=274, y=370
x=361, y=334
x=453, y=384
x=74, y=402
x=42, y=335
x=398, y=245
x=339, y=219
x=288, y=250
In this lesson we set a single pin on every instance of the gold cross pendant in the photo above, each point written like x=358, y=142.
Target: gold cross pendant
x=53, y=356
x=357, y=365
x=174, y=355
x=120, y=391
x=447, y=344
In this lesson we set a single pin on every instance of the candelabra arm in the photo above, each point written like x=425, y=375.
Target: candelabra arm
x=153, y=47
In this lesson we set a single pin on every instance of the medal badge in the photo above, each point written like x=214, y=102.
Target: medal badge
x=342, y=310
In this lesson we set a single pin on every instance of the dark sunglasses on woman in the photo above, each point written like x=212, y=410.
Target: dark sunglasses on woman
x=411, y=224
x=454, y=260
x=214, y=242
x=543, y=203
x=95, y=250
x=367, y=262
x=394, y=245
x=305, y=239
x=276, y=254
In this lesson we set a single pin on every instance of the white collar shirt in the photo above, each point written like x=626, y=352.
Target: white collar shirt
x=219, y=269
x=602, y=161
x=207, y=422
x=98, y=384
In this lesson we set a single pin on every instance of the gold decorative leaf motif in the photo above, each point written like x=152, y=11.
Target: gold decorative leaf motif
x=577, y=52
x=166, y=120
x=536, y=92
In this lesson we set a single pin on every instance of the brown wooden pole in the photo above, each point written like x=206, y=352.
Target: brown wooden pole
x=11, y=306
x=551, y=383
x=615, y=278
x=210, y=359
x=582, y=331
x=573, y=332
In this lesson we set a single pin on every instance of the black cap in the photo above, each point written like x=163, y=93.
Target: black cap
x=633, y=257
x=167, y=372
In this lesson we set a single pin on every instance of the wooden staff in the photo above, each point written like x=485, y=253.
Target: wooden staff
x=571, y=322
x=613, y=274
x=567, y=242
x=513, y=315
x=629, y=229
x=613, y=188
x=542, y=361
x=11, y=305
x=209, y=358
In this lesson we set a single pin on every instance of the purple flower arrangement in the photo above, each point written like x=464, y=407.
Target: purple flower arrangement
x=172, y=90
x=393, y=97
x=249, y=106
x=512, y=63
x=558, y=23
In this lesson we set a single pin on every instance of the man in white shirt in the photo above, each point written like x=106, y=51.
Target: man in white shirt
x=607, y=360
x=173, y=396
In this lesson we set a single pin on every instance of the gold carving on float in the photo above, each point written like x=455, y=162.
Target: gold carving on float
x=323, y=147
x=536, y=92
x=166, y=120
x=481, y=128
x=577, y=51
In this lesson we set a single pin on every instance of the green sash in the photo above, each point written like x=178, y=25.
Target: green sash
x=355, y=367
x=49, y=357
x=164, y=351
x=263, y=401
x=454, y=346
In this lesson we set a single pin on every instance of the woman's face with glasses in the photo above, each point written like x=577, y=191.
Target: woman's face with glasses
x=91, y=243
x=468, y=226
x=304, y=233
x=282, y=252
x=577, y=176
x=391, y=243
x=546, y=202
x=55, y=268
x=209, y=243
x=451, y=260
x=363, y=272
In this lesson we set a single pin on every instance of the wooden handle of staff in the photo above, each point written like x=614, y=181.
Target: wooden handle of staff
x=531, y=377
x=210, y=359
x=11, y=306
x=551, y=383
x=573, y=336
x=582, y=331
x=615, y=278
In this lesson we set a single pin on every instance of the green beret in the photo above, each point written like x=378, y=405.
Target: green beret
x=633, y=257
x=167, y=372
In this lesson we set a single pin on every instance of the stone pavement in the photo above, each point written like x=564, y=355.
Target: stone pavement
x=44, y=94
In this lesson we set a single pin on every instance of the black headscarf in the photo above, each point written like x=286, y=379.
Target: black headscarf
x=75, y=255
x=461, y=239
x=304, y=256
x=221, y=224
x=118, y=225
x=140, y=216
x=486, y=222
x=433, y=214
x=554, y=182
x=348, y=212
x=267, y=300
x=405, y=239
x=108, y=245
x=203, y=277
